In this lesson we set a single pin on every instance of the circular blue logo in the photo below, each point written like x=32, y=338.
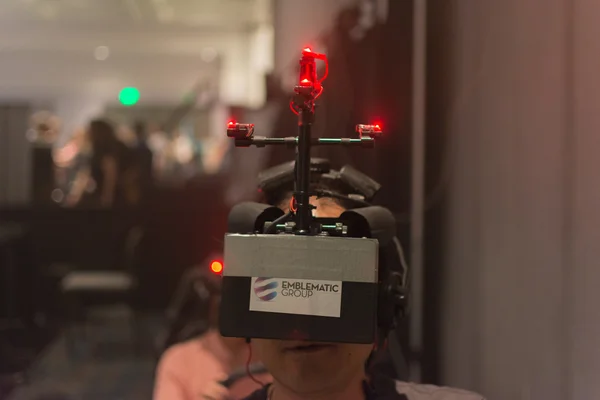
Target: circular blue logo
x=266, y=288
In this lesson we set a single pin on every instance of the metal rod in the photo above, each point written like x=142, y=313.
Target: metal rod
x=302, y=167
x=261, y=141
x=367, y=142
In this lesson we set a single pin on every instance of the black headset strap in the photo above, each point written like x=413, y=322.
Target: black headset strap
x=395, y=350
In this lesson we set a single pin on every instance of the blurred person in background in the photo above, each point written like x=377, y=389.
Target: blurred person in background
x=131, y=175
x=143, y=155
x=126, y=135
x=137, y=176
x=44, y=128
x=104, y=176
x=158, y=143
x=72, y=162
x=74, y=152
x=192, y=370
x=182, y=153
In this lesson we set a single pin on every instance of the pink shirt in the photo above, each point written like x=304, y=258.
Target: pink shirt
x=186, y=368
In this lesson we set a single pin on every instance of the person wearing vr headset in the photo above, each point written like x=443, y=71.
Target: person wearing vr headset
x=201, y=368
x=305, y=370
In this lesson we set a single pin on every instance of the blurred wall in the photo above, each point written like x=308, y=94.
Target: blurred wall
x=299, y=24
x=518, y=106
x=15, y=157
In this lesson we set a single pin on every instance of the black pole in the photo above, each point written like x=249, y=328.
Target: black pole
x=302, y=194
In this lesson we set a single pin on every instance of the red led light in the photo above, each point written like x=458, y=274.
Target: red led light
x=305, y=80
x=308, y=49
x=216, y=267
x=231, y=123
x=372, y=131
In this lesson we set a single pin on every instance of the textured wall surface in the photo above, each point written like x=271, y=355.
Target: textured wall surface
x=522, y=221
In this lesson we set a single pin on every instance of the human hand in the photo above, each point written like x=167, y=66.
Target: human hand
x=215, y=391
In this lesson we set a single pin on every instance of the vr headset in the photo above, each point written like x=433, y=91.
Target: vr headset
x=292, y=276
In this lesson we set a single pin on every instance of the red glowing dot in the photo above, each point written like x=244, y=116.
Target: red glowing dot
x=231, y=123
x=216, y=267
x=308, y=49
x=305, y=80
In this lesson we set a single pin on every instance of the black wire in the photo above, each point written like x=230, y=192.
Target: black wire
x=273, y=227
x=248, y=372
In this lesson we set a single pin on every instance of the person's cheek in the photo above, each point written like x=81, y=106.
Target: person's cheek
x=261, y=349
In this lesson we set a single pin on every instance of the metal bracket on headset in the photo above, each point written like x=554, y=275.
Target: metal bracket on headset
x=354, y=184
x=292, y=231
x=279, y=176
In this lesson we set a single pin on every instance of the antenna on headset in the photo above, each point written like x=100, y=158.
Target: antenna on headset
x=307, y=91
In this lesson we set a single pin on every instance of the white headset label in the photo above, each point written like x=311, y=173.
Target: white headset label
x=296, y=296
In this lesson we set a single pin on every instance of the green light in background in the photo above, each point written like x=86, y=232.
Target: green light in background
x=129, y=96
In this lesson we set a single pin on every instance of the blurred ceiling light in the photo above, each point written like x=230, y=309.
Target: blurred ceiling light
x=101, y=53
x=208, y=54
x=31, y=135
x=57, y=195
